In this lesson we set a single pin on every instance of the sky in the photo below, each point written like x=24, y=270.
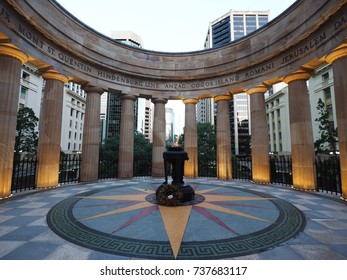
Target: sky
x=169, y=26
x=166, y=26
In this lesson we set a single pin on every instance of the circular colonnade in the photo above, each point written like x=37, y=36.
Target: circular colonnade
x=306, y=36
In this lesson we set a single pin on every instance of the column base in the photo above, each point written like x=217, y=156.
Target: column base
x=260, y=182
x=6, y=197
x=303, y=190
x=46, y=188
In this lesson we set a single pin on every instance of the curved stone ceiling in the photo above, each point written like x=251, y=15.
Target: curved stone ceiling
x=298, y=39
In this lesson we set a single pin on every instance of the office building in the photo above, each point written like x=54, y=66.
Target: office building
x=111, y=103
x=30, y=95
x=320, y=86
x=230, y=27
x=169, y=125
x=73, y=118
x=277, y=114
x=127, y=37
x=31, y=85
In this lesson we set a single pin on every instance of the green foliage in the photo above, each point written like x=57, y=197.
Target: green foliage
x=109, y=158
x=206, y=139
x=207, y=149
x=110, y=148
x=26, y=135
x=109, y=154
x=328, y=134
x=142, y=146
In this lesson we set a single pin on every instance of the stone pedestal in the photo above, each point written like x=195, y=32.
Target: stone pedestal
x=174, y=159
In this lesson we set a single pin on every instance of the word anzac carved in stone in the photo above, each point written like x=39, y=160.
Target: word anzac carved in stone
x=39, y=42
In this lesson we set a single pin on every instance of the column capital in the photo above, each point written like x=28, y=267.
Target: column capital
x=159, y=100
x=55, y=75
x=93, y=89
x=190, y=100
x=298, y=75
x=222, y=98
x=128, y=97
x=14, y=52
x=257, y=89
x=336, y=54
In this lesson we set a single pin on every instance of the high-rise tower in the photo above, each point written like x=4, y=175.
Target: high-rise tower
x=230, y=27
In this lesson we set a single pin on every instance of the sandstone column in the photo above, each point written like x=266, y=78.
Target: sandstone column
x=191, y=138
x=303, y=157
x=158, y=137
x=260, y=136
x=338, y=59
x=11, y=60
x=48, y=153
x=126, y=140
x=91, y=135
x=224, y=166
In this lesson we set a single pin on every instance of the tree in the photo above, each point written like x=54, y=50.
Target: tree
x=206, y=149
x=109, y=157
x=109, y=154
x=26, y=134
x=328, y=134
x=142, y=146
x=206, y=138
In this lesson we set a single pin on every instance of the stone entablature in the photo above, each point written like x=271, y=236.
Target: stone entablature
x=299, y=38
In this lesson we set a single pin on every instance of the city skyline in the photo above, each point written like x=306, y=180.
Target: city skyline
x=178, y=26
x=175, y=36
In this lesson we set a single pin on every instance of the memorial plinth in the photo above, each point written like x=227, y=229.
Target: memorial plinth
x=174, y=159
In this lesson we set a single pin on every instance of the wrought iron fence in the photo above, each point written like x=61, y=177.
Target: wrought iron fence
x=207, y=165
x=69, y=168
x=328, y=174
x=23, y=174
x=142, y=166
x=281, y=169
x=242, y=167
x=327, y=170
x=108, y=166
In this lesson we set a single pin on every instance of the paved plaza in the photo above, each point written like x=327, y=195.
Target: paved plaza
x=120, y=219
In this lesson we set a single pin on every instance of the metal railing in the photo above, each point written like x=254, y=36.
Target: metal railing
x=108, y=166
x=69, y=168
x=207, y=165
x=281, y=170
x=327, y=170
x=242, y=167
x=23, y=174
x=328, y=174
x=142, y=166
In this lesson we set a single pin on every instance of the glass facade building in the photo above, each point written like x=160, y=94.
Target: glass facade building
x=230, y=27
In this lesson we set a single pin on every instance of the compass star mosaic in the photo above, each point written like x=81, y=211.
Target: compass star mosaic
x=222, y=222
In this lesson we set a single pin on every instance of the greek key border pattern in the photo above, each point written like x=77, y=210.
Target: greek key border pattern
x=289, y=224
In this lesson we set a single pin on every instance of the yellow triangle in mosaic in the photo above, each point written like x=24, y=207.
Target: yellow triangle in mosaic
x=175, y=221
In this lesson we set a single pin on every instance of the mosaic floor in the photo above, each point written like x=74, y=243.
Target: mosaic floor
x=120, y=219
x=222, y=222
